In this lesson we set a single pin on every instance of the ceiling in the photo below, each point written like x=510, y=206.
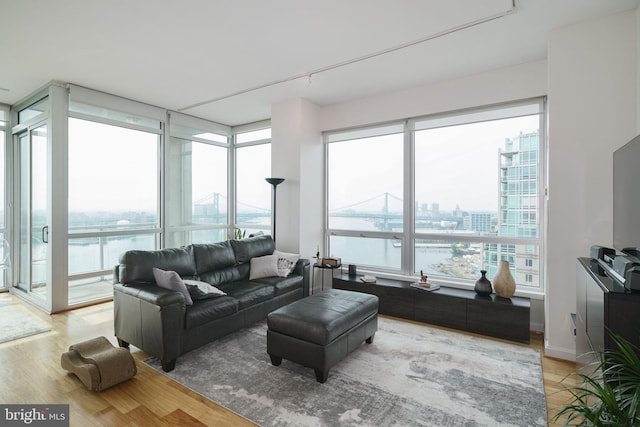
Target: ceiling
x=229, y=61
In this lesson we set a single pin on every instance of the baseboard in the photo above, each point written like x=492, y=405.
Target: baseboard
x=536, y=327
x=560, y=353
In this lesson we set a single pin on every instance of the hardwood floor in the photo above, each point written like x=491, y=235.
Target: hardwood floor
x=31, y=374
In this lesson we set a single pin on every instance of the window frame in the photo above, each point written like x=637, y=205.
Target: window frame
x=5, y=259
x=262, y=132
x=103, y=236
x=409, y=235
x=187, y=128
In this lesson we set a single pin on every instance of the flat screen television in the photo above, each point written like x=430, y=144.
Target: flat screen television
x=626, y=198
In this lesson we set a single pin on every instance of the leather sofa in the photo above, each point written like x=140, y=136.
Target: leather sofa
x=160, y=322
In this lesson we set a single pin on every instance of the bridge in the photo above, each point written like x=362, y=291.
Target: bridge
x=384, y=209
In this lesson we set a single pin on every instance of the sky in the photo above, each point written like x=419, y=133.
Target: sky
x=455, y=166
x=110, y=163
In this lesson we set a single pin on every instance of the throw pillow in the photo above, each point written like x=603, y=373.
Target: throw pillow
x=172, y=280
x=202, y=290
x=263, y=266
x=286, y=262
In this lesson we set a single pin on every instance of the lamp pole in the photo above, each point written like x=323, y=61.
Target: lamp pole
x=274, y=182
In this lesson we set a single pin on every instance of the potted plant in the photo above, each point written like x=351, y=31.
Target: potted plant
x=611, y=395
x=239, y=234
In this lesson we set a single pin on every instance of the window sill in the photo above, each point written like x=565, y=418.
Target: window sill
x=452, y=283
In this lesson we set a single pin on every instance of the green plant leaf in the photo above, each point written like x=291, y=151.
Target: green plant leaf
x=610, y=396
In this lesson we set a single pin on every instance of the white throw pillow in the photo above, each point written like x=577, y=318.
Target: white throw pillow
x=202, y=290
x=263, y=266
x=286, y=262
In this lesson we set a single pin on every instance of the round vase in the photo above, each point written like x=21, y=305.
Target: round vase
x=483, y=285
x=503, y=281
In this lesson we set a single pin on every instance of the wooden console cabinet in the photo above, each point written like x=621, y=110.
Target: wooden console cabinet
x=453, y=308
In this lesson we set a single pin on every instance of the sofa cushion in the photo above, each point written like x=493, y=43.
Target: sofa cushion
x=137, y=265
x=205, y=311
x=282, y=285
x=248, y=293
x=171, y=280
x=215, y=256
x=252, y=247
x=263, y=266
x=202, y=290
x=225, y=275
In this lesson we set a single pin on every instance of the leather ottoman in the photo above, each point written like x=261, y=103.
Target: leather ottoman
x=319, y=330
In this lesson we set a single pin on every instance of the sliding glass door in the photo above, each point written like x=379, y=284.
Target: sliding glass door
x=5, y=255
x=34, y=217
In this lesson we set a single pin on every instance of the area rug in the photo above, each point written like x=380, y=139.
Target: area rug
x=411, y=375
x=16, y=323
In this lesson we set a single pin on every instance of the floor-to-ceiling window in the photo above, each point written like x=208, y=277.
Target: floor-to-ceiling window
x=449, y=194
x=253, y=193
x=5, y=255
x=365, y=197
x=97, y=175
x=197, y=201
x=113, y=194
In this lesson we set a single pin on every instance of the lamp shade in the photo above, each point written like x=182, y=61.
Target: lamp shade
x=274, y=181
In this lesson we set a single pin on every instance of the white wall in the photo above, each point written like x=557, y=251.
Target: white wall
x=296, y=155
x=520, y=82
x=592, y=111
x=591, y=78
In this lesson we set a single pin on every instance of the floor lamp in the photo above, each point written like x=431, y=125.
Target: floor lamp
x=274, y=182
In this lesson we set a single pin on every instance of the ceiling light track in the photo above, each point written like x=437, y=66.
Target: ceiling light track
x=396, y=48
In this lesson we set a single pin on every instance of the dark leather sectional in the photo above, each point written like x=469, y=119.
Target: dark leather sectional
x=158, y=321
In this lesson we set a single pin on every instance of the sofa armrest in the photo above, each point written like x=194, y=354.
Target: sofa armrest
x=151, y=318
x=300, y=267
x=151, y=293
x=303, y=268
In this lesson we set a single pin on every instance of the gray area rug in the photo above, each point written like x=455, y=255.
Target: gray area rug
x=16, y=323
x=412, y=375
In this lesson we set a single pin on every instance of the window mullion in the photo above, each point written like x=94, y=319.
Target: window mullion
x=408, y=237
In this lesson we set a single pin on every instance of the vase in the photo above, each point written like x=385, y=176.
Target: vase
x=503, y=282
x=483, y=285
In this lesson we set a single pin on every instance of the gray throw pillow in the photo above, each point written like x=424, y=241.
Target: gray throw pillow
x=263, y=266
x=202, y=290
x=172, y=280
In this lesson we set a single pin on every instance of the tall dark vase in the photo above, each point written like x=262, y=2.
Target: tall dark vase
x=483, y=285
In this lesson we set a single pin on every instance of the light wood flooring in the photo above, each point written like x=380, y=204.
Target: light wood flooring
x=30, y=373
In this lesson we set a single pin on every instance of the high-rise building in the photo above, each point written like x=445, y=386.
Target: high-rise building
x=517, y=210
x=480, y=222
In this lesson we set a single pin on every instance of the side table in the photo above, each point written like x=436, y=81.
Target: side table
x=323, y=268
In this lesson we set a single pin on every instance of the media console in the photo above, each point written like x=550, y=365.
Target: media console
x=449, y=307
x=603, y=305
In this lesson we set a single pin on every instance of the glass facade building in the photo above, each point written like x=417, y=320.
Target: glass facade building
x=517, y=210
